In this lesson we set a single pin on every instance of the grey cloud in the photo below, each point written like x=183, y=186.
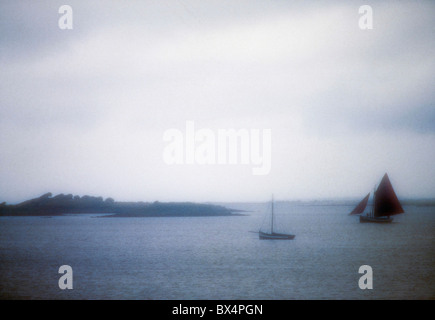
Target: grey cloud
x=98, y=98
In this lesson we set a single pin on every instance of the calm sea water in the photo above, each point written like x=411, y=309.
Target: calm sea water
x=218, y=257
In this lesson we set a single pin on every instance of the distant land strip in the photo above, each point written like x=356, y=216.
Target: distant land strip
x=47, y=205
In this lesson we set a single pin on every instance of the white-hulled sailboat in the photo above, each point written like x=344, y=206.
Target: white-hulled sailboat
x=272, y=235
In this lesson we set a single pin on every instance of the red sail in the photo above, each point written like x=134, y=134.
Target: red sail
x=361, y=206
x=386, y=202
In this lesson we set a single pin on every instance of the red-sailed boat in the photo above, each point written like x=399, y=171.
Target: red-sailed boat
x=384, y=205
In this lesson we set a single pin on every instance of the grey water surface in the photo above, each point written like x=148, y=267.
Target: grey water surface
x=219, y=257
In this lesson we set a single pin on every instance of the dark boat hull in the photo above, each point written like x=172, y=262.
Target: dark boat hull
x=375, y=219
x=275, y=236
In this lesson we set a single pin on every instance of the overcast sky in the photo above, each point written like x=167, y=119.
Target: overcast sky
x=84, y=111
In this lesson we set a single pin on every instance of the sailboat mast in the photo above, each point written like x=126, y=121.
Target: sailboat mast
x=374, y=201
x=271, y=227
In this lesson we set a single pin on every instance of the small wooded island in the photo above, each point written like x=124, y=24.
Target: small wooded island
x=47, y=205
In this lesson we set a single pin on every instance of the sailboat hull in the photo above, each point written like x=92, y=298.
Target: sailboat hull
x=375, y=219
x=275, y=236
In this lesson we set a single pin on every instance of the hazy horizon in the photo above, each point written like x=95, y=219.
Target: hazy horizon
x=259, y=200
x=84, y=111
